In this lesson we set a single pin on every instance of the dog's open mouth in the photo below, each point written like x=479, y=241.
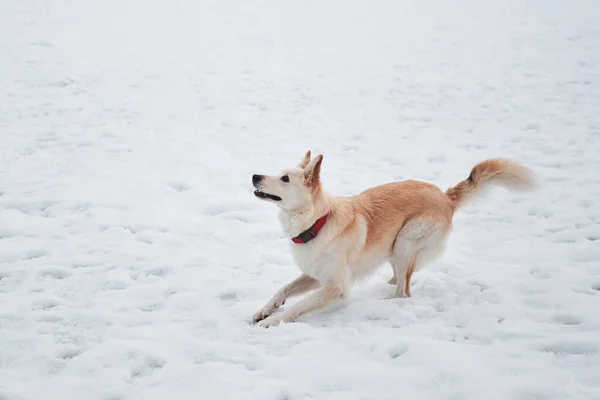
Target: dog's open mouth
x=263, y=195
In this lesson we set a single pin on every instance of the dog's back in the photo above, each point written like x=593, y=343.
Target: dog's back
x=387, y=208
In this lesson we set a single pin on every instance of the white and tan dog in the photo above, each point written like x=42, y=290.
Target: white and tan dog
x=339, y=240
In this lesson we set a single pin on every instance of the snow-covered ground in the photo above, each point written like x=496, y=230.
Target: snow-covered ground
x=133, y=254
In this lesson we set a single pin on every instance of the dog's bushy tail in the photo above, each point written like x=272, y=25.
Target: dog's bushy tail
x=497, y=171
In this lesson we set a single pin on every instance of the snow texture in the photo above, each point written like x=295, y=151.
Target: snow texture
x=133, y=254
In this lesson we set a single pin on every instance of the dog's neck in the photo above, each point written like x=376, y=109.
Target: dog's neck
x=296, y=221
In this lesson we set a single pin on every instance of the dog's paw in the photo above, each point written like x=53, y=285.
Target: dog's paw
x=274, y=320
x=268, y=310
x=264, y=313
x=270, y=322
x=260, y=315
x=394, y=296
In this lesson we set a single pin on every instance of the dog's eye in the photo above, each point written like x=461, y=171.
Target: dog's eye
x=285, y=178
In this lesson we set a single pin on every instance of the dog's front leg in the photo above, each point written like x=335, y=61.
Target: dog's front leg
x=322, y=297
x=302, y=284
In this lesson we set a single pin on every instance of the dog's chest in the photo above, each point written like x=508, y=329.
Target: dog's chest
x=313, y=262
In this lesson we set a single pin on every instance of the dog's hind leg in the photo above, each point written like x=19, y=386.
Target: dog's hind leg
x=419, y=241
x=433, y=246
x=298, y=286
x=394, y=278
x=404, y=257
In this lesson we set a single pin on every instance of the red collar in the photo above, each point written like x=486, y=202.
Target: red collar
x=311, y=232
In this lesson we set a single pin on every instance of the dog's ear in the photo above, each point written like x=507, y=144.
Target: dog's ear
x=312, y=172
x=305, y=160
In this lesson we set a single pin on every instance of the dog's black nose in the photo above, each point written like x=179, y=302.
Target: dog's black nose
x=257, y=178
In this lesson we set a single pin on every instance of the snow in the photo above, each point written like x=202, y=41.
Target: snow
x=133, y=254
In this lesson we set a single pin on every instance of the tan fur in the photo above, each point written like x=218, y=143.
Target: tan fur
x=496, y=171
x=305, y=160
x=404, y=223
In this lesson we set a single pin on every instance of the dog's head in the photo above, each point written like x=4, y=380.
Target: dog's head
x=293, y=188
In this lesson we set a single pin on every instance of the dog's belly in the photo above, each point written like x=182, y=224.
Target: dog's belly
x=323, y=263
x=366, y=263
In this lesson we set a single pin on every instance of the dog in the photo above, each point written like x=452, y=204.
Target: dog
x=336, y=241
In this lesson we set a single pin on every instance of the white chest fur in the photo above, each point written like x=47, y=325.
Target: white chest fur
x=306, y=258
x=324, y=256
